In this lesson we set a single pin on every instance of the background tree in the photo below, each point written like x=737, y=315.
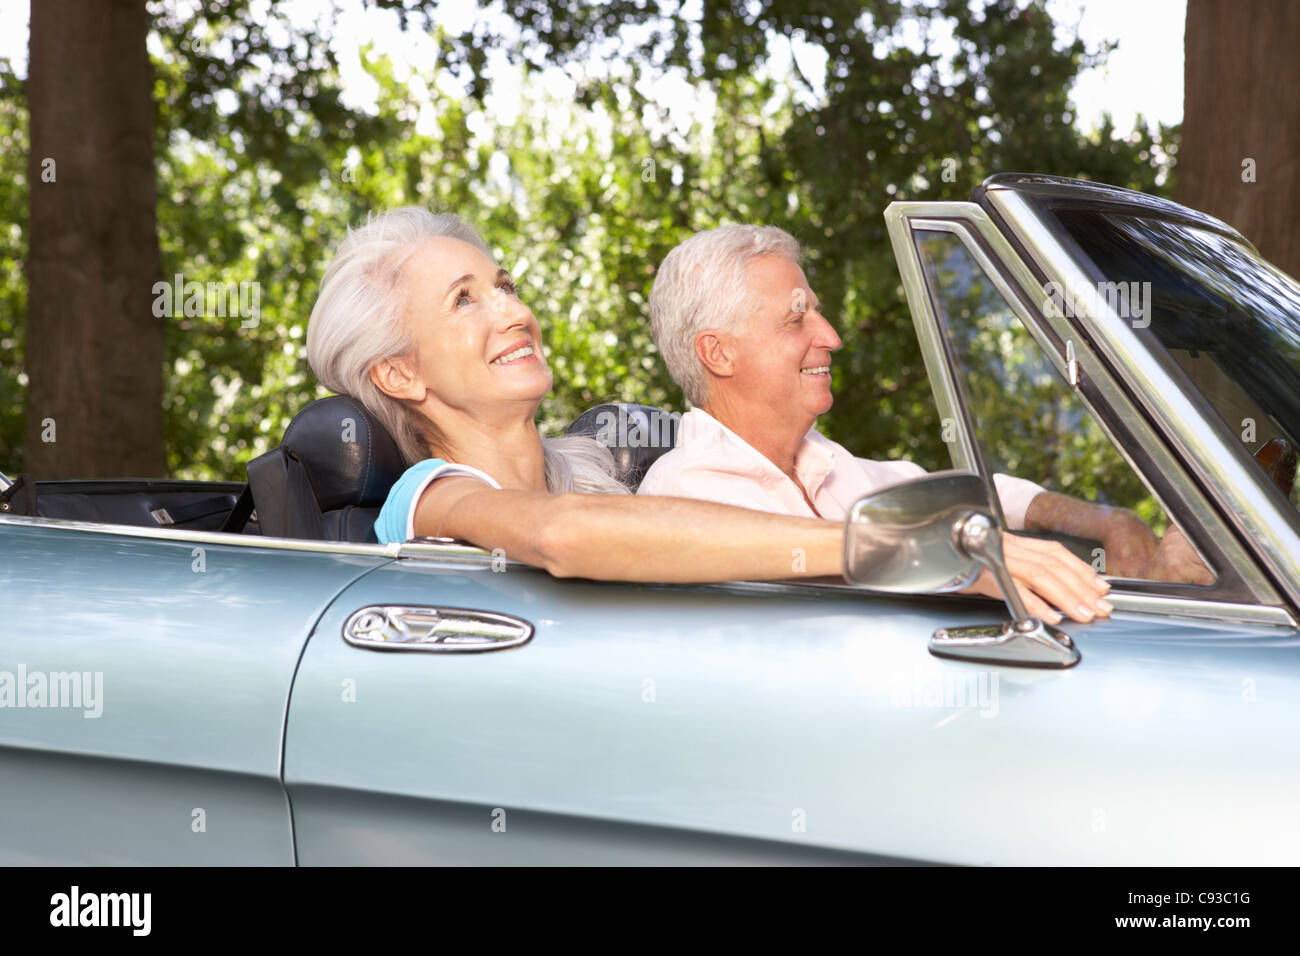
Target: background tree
x=1241, y=94
x=94, y=348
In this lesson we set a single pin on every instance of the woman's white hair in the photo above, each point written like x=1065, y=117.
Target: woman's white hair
x=357, y=323
x=702, y=285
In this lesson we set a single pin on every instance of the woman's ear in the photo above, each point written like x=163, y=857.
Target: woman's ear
x=713, y=352
x=395, y=377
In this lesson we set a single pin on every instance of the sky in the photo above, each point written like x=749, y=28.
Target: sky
x=1144, y=74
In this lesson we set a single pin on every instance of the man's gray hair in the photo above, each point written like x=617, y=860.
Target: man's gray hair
x=702, y=285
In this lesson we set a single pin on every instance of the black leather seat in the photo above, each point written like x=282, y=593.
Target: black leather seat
x=329, y=477
x=637, y=435
x=332, y=472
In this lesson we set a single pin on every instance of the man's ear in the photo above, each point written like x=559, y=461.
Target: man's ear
x=395, y=377
x=714, y=353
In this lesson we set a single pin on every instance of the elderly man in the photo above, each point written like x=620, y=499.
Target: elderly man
x=743, y=334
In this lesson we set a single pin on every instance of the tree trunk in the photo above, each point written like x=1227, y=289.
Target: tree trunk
x=95, y=349
x=1241, y=102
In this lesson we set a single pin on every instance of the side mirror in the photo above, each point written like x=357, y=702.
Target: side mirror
x=933, y=535
x=902, y=538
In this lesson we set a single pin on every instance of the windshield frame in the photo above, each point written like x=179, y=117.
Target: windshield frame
x=1264, y=521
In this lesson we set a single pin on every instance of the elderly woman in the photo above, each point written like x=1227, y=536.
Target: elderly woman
x=418, y=322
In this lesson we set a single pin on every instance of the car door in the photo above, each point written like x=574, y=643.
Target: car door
x=144, y=678
x=748, y=724
x=638, y=724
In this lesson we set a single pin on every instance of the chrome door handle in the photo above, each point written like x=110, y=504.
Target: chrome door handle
x=441, y=630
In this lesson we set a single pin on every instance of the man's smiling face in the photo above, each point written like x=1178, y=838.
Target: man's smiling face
x=783, y=351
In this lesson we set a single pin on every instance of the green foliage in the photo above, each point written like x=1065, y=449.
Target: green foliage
x=251, y=141
x=13, y=253
x=261, y=167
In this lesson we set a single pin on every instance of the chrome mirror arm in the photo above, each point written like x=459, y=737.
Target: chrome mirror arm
x=979, y=537
x=1023, y=641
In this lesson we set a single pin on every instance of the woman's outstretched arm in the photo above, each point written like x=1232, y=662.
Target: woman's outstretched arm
x=647, y=538
x=631, y=538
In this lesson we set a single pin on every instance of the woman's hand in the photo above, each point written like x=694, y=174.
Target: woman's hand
x=1047, y=575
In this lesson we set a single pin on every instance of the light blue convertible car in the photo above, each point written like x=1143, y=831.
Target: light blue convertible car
x=214, y=673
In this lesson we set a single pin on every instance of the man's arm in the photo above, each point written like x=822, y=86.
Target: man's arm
x=1128, y=545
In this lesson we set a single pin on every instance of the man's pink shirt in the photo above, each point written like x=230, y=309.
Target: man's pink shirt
x=714, y=463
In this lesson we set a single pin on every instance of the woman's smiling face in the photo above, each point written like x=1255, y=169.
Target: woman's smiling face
x=477, y=347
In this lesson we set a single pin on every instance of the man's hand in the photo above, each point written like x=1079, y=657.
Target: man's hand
x=1047, y=575
x=1128, y=545
x=1175, y=561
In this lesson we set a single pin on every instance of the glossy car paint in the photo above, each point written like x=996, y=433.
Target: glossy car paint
x=197, y=647
x=774, y=722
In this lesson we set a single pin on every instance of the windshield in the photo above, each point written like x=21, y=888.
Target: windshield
x=1228, y=320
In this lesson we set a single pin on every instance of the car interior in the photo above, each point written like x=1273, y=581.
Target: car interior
x=326, y=480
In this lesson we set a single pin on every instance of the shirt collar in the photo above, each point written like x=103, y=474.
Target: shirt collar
x=814, y=460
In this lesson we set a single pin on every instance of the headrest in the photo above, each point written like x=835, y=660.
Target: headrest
x=636, y=435
x=349, y=457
